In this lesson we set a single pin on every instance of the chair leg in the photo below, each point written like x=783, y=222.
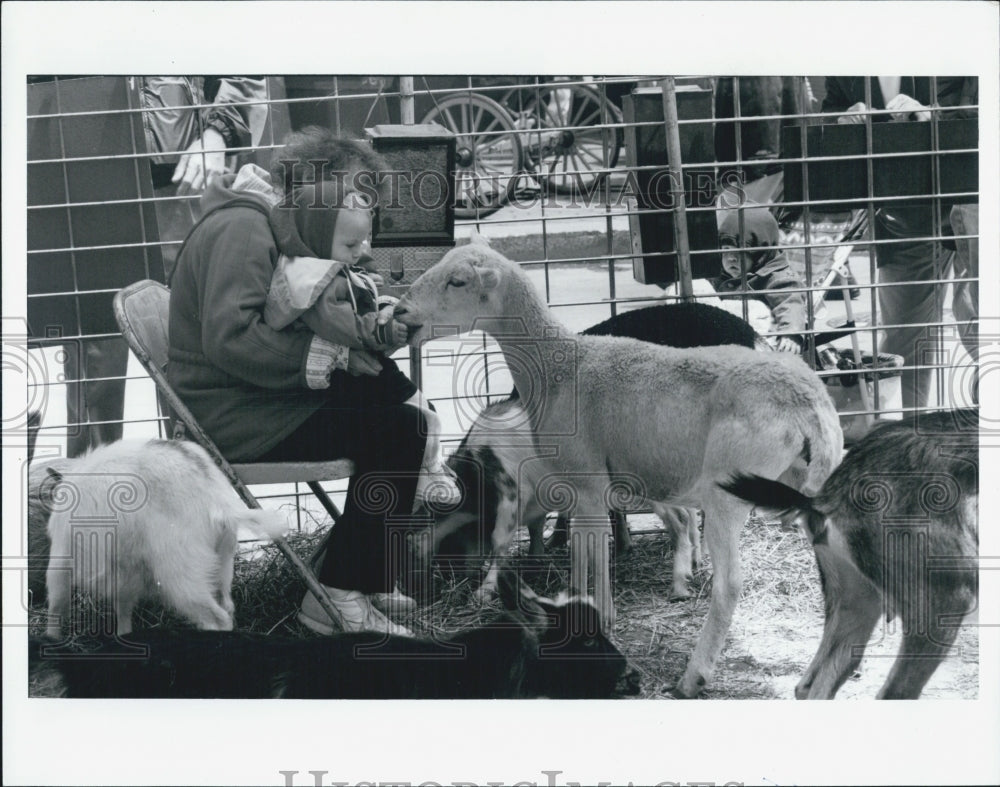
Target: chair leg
x=308, y=577
x=324, y=498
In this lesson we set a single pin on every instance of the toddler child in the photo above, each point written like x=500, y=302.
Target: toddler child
x=320, y=279
x=767, y=270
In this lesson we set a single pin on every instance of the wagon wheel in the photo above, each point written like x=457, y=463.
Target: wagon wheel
x=572, y=148
x=488, y=157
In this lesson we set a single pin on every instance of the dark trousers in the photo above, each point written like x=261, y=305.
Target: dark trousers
x=366, y=422
x=94, y=405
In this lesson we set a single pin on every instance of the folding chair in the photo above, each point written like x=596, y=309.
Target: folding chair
x=141, y=310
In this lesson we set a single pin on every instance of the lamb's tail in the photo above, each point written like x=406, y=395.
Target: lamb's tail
x=779, y=498
x=266, y=523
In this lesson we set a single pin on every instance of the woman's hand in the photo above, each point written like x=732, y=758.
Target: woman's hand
x=201, y=162
x=855, y=114
x=905, y=108
x=361, y=362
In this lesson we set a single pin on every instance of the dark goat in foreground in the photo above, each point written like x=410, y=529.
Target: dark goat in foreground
x=537, y=648
x=895, y=530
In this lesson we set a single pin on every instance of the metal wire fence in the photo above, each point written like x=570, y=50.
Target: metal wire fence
x=570, y=177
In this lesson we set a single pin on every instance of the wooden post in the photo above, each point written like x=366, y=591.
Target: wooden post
x=407, y=117
x=406, y=110
x=677, y=188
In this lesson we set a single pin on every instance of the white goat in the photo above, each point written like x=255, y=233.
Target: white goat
x=631, y=418
x=137, y=518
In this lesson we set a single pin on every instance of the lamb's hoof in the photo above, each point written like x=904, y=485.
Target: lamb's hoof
x=689, y=689
x=484, y=594
x=680, y=595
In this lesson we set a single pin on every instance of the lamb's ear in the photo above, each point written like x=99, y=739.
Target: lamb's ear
x=478, y=240
x=489, y=278
x=55, y=474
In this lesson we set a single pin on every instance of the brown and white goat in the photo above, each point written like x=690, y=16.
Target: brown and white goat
x=896, y=533
x=621, y=417
x=140, y=518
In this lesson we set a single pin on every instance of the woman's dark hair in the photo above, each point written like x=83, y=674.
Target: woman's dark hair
x=315, y=147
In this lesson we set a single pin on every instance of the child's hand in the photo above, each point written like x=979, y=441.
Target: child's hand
x=390, y=333
x=788, y=344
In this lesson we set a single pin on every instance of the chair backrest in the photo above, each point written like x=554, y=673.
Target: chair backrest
x=142, y=311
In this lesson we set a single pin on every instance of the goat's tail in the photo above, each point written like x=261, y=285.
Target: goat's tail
x=779, y=498
x=266, y=523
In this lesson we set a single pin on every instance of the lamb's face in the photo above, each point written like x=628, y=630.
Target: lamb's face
x=451, y=296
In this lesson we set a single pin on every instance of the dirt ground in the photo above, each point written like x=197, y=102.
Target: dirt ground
x=776, y=628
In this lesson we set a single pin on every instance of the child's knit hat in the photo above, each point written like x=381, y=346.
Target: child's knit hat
x=304, y=222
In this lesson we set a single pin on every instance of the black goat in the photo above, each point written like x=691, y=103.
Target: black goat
x=538, y=648
x=896, y=532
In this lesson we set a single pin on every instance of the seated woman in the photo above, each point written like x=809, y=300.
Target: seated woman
x=289, y=395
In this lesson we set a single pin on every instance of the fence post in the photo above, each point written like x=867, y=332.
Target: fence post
x=406, y=115
x=406, y=101
x=677, y=188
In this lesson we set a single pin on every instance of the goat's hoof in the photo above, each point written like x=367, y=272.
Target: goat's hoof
x=484, y=594
x=680, y=595
x=688, y=688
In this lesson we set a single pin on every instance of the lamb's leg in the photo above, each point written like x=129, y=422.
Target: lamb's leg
x=724, y=517
x=488, y=588
x=623, y=537
x=190, y=586
x=559, y=532
x=124, y=607
x=590, y=556
x=58, y=581
x=853, y=607
x=225, y=550
x=676, y=520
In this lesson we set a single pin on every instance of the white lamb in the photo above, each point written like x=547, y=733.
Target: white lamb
x=668, y=423
x=138, y=518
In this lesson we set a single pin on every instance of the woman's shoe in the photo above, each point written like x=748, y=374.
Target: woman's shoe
x=394, y=603
x=355, y=612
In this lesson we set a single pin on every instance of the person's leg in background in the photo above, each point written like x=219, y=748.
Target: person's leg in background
x=174, y=217
x=965, y=298
x=95, y=407
x=910, y=304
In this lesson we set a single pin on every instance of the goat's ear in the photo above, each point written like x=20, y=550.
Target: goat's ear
x=489, y=278
x=521, y=601
x=479, y=240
